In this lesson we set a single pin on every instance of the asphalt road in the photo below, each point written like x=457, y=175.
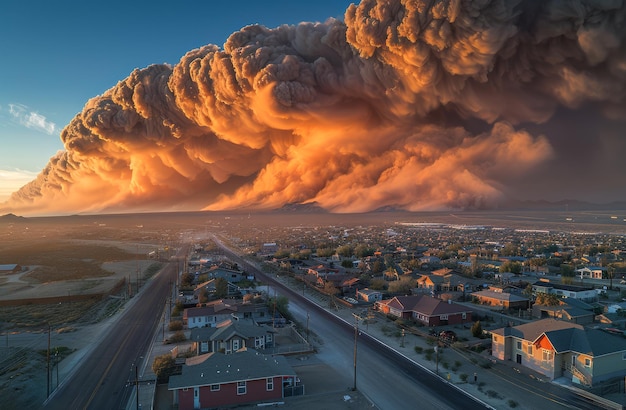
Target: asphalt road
x=102, y=379
x=385, y=377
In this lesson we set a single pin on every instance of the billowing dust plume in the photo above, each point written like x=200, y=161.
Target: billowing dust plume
x=418, y=105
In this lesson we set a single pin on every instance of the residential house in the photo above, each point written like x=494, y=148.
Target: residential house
x=230, y=336
x=591, y=272
x=216, y=380
x=556, y=348
x=369, y=295
x=426, y=310
x=231, y=275
x=571, y=310
x=584, y=293
x=10, y=268
x=503, y=300
x=222, y=310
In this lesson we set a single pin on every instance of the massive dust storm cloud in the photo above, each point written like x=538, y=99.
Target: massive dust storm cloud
x=418, y=105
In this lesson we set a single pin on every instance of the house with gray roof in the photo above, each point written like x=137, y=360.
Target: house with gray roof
x=231, y=336
x=502, y=300
x=426, y=310
x=216, y=380
x=584, y=293
x=557, y=349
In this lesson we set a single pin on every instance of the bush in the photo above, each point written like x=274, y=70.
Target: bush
x=419, y=349
x=163, y=366
x=175, y=325
x=178, y=337
x=512, y=404
x=477, y=329
x=463, y=377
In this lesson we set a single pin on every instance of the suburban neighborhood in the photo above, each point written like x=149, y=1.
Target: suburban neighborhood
x=523, y=300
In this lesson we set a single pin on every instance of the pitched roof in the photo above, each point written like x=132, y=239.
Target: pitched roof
x=226, y=331
x=425, y=304
x=499, y=295
x=218, y=368
x=567, y=336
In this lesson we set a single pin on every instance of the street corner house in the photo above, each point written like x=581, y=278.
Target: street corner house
x=557, y=349
x=246, y=376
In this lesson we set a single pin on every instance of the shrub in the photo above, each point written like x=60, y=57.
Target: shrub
x=178, y=337
x=512, y=404
x=477, y=329
x=419, y=349
x=163, y=366
x=463, y=377
x=175, y=325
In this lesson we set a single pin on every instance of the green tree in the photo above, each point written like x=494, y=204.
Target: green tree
x=378, y=267
x=325, y=252
x=362, y=251
x=221, y=288
x=511, y=266
x=163, y=366
x=282, y=254
x=203, y=296
x=344, y=251
x=186, y=280
x=404, y=285
x=346, y=263
x=567, y=270
x=477, y=329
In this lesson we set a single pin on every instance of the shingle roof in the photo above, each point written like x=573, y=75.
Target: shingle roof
x=499, y=295
x=218, y=368
x=567, y=336
x=243, y=328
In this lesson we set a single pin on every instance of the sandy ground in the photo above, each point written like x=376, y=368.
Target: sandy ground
x=23, y=351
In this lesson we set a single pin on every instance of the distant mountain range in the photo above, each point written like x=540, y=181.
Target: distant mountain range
x=315, y=208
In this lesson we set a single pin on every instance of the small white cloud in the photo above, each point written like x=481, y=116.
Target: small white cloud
x=13, y=180
x=32, y=119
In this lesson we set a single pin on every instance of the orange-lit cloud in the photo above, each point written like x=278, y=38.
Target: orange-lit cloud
x=414, y=104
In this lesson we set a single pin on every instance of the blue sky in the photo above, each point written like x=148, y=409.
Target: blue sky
x=58, y=54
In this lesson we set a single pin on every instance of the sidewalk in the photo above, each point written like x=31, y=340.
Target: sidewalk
x=500, y=384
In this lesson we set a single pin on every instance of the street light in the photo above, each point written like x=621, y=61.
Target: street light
x=402, y=344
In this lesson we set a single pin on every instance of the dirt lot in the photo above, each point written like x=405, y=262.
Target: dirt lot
x=74, y=276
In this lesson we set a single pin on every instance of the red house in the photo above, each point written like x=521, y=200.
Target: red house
x=426, y=309
x=216, y=380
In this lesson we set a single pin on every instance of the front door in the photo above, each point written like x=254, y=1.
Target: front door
x=518, y=359
x=196, y=397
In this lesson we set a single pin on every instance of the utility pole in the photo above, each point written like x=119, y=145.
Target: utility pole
x=137, y=385
x=48, y=361
x=356, y=333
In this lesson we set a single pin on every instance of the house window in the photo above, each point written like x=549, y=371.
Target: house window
x=235, y=344
x=270, y=384
x=241, y=388
x=495, y=338
x=204, y=347
x=587, y=362
x=444, y=317
x=519, y=345
x=547, y=355
x=624, y=356
x=529, y=349
x=463, y=315
x=215, y=387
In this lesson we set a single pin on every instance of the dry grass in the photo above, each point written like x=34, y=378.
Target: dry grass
x=63, y=260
